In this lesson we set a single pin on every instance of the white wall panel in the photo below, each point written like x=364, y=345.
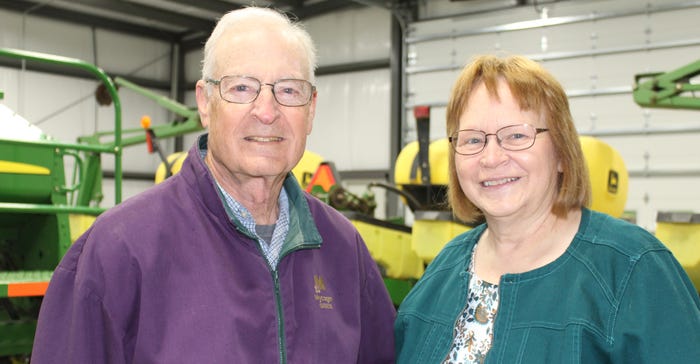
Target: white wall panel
x=526, y=41
x=9, y=85
x=351, y=127
x=55, y=37
x=58, y=105
x=351, y=35
x=193, y=65
x=565, y=38
x=473, y=15
x=131, y=55
x=10, y=28
x=620, y=31
x=430, y=87
x=605, y=113
x=437, y=53
x=661, y=118
x=673, y=25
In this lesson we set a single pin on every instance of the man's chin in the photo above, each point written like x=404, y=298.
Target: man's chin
x=267, y=168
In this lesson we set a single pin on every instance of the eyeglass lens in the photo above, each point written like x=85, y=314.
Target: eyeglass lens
x=513, y=137
x=243, y=90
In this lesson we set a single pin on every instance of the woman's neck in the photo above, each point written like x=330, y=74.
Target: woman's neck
x=518, y=248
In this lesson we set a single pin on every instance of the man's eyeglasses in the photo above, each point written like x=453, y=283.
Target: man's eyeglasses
x=244, y=90
x=512, y=137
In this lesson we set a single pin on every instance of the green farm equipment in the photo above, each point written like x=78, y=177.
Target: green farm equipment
x=676, y=89
x=41, y=214
x=672, y=90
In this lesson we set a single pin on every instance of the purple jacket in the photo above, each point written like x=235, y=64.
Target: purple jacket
x=168, y=277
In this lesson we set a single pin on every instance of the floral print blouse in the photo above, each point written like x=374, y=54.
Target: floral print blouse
x=473, y=331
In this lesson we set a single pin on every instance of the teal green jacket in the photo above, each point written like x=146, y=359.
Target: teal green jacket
x=617, y=295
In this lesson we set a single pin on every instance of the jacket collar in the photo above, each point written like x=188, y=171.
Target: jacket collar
x=303, y=232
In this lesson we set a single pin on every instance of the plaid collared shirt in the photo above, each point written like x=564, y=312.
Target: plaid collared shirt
x=272, y=250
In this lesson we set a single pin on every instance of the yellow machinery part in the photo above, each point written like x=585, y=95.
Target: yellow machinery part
x=431, y=231
x=390, y=248
x=79, y=223
x=307, y=166
x=22, y=168
x=176, y=159
x=680, y=232
x=608, y=175
x=407, y=170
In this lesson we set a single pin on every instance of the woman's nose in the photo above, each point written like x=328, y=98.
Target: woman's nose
x=493, y=153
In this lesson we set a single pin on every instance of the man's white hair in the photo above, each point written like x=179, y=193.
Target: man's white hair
x=262, y=17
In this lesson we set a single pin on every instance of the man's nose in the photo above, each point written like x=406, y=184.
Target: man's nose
x=265, y=106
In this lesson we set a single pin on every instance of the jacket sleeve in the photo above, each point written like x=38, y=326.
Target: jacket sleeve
x=378, y=314
x=75, y=326
x=658, y=319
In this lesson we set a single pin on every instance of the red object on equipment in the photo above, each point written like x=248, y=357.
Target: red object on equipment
x=146, y=124
x=325, y=177
x=421, y=112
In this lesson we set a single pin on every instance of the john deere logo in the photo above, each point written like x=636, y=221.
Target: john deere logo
x=613, y=181
x=318, y=284
x=324, y=302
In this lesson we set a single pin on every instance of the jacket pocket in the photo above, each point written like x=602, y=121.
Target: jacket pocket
x=419, y=340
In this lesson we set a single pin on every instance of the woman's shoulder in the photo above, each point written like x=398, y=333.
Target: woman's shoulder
x=620, y=235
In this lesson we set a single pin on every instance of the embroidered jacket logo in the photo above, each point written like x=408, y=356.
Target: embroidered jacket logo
x=324, y=302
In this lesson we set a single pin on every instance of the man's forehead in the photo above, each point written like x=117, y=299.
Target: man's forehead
x=261, y=52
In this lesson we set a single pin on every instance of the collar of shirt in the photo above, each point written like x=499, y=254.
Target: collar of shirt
x=270, y=251
x=239, y=211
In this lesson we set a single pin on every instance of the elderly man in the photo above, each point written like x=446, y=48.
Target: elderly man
x=229, y=261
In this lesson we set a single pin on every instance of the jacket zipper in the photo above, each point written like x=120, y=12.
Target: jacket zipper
x=280, y=320
x=278, y=300
x=278, y=297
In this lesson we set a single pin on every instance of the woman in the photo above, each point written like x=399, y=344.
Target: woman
x=544, y=279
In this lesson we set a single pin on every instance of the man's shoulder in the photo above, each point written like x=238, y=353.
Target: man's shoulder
x=145, y=203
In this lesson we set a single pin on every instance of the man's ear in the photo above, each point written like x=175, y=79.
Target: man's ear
x=203, y=105
x=312, y=113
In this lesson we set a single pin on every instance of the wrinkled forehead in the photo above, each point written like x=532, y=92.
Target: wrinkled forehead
x=260, y=49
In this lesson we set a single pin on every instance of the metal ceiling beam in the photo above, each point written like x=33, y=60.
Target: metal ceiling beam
x=360, y=66
x=54, y=13
x=65, y=71
x=217, y=6
x=292, y=3
x=148, y=12
x=379, y=3
x=307, y=11
x=322, y=7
